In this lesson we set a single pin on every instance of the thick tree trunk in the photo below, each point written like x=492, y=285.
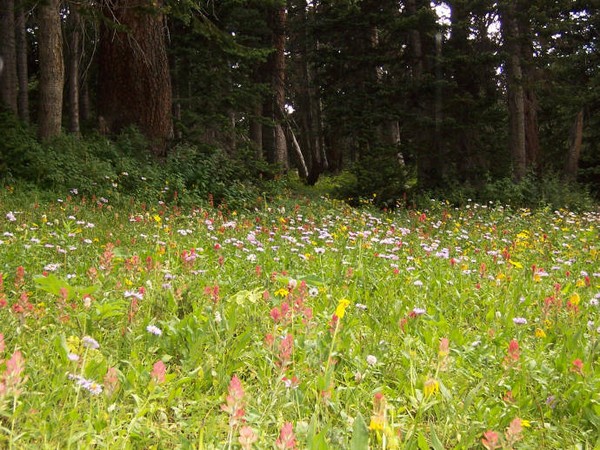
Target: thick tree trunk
x=22, y=70
x=73, y=81
x=134, y=85
x=51, y=70
x=575, y=141
x=515, y=90
x=277, y=21
x=8, y=52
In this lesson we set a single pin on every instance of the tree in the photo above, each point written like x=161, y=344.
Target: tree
x=522, y=101
x=134, y=85
x=8, y=78
x=51, y=70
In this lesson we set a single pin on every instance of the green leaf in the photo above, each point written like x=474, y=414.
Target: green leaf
x=435, y=440
x=360, y=434
x=314, y=440
x=422, y=442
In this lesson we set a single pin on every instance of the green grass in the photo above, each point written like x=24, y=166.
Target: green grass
x=306, y=324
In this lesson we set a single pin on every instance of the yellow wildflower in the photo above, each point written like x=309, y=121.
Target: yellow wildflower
x=575, y=299
x=377, y=423
x=516, y=264
x=340, y=310
x=431, y=387
x=539, y=333
x=283, y=292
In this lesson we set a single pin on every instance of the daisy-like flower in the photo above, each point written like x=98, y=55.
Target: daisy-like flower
x=520, y=321
x=90, y=342
x=153, y=329
x=313, y=291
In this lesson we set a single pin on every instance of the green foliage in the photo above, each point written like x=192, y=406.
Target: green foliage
x=532, y=192
x=377, y=176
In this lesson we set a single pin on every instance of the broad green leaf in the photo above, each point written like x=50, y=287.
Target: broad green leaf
x=360, y=434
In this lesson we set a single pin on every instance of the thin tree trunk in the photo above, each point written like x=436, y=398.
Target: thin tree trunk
x=74, y=56
x=51, y=70
x=278, y=20
x=256, y=132
x=22, y=70
x=575, y=141
x=8, y=52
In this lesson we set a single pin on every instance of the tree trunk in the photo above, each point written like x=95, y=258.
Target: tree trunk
x=51, y=70
x=74, y=56
x=8, y=77
x=277, y=21
x=134, y=85
x=307, y=102
x=22, y=70
x=515, y=89
x=575, y=141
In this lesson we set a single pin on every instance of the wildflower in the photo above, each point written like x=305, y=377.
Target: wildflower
x=574, y=299
x=247, y=437
x=431, y=387
x=313, y=291
x=514, y=430
x=361, y=306
x=577, y=366
x=282, y=292
x=539, y=333
x=152, y=329
x=491, y=440
x=444, y=349
x=234, y=405
x=12, y=376
x=111, y=381
x=377, y=423
x=417, y=312
x=340, y=310
x=10, y=216
x=89, y=385
x=159, y=371
x=73, y=357
x=371, y=360
x=520, y=321
x=286, y=439
x=90, y=342
x=513, y=354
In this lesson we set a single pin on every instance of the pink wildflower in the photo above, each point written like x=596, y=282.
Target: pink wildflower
x=111, y=382
x=577, y=366
x=234, y=405
x=286, y=439
x=247, y=437
x=491, y=440
x=514, y=430
x=159, y=371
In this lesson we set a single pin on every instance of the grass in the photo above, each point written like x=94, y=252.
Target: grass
x=298, y=325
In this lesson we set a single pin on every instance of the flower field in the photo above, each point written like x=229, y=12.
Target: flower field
x=299, y=325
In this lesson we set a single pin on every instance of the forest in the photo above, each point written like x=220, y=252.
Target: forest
x=455, y=99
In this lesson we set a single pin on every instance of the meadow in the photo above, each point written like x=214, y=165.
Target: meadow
x=300, y=324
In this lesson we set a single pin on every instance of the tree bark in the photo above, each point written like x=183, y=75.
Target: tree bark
x=73, y=79
x=277, y=21
x=134, y=85
x=51, y=70
x=575, y=141
x=515, y=90
x=8, y=77
x=22, y=70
